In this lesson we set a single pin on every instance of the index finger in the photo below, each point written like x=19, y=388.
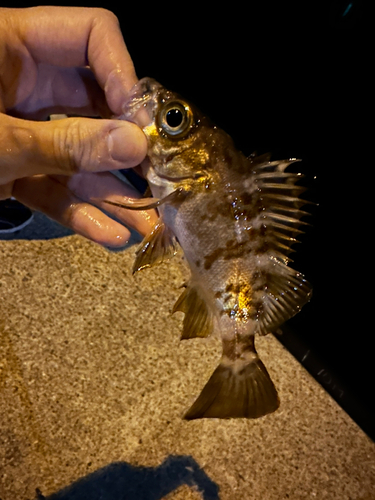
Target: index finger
x=78, y=36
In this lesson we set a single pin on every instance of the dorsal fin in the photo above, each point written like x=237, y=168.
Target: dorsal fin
x=280, y=202
x=275, y=201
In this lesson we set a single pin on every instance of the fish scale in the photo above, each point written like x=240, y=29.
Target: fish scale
x=236, y=219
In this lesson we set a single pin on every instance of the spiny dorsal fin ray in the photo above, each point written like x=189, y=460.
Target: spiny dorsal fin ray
x=291, y=230
x=285, y=219
x=280, y=176
x=284, y=200
x=288, y=211
x=198, y=319
x=272, y=166
x=286, y=238
x=279, y=204
x=159, y=245
x=256, y=159
x=287, y=188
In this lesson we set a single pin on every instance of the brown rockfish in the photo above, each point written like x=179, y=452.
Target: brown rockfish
x=235, y=219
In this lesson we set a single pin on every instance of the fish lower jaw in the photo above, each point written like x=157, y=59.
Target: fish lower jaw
x=174, y=179
x=160, y=187
x=177, y=178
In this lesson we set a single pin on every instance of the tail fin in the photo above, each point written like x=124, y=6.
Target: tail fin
x=236, y=390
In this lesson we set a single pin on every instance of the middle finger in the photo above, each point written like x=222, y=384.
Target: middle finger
x=52, y=198
x=95, y=187
x=71, y=91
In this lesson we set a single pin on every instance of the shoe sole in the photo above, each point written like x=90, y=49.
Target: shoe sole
x=14, y=229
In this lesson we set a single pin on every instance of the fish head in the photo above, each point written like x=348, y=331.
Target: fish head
x=180, y=138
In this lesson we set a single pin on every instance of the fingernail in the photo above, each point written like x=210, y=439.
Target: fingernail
x=127, y=144
x=117, y=88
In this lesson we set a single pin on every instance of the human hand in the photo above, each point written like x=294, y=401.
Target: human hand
x=72, y=61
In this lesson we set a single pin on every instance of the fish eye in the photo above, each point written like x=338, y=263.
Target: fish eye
x=175, y=119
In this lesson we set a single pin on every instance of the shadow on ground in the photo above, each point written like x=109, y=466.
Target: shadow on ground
x=122, y=481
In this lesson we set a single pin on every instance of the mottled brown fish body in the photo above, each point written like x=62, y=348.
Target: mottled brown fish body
x=235, y=219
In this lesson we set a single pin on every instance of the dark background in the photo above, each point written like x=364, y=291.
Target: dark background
x=290, y=79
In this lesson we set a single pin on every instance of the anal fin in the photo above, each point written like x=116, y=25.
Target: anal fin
x=238, y=389
x=198, y=320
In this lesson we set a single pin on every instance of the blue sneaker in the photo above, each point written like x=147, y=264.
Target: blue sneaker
x=13, y=216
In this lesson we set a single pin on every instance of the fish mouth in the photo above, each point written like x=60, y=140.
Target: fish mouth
x=151, y=173
x=179, y=178
x=142, y=102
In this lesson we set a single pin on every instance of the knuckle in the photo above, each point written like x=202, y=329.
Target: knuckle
x=65, y=140
x=106, y=16
x=18, y=148
x=72, y=148
x=71, y=215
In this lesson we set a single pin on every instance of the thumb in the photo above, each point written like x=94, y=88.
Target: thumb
x=67, y=146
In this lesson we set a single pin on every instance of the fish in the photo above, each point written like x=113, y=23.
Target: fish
x=236, y=219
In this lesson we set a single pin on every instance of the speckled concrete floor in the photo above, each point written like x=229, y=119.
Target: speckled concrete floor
x=94, y=380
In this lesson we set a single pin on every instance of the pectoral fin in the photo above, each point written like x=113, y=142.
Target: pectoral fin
x=198, y=320
x=159, y=245
x=135, y=204
x=148, y=203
